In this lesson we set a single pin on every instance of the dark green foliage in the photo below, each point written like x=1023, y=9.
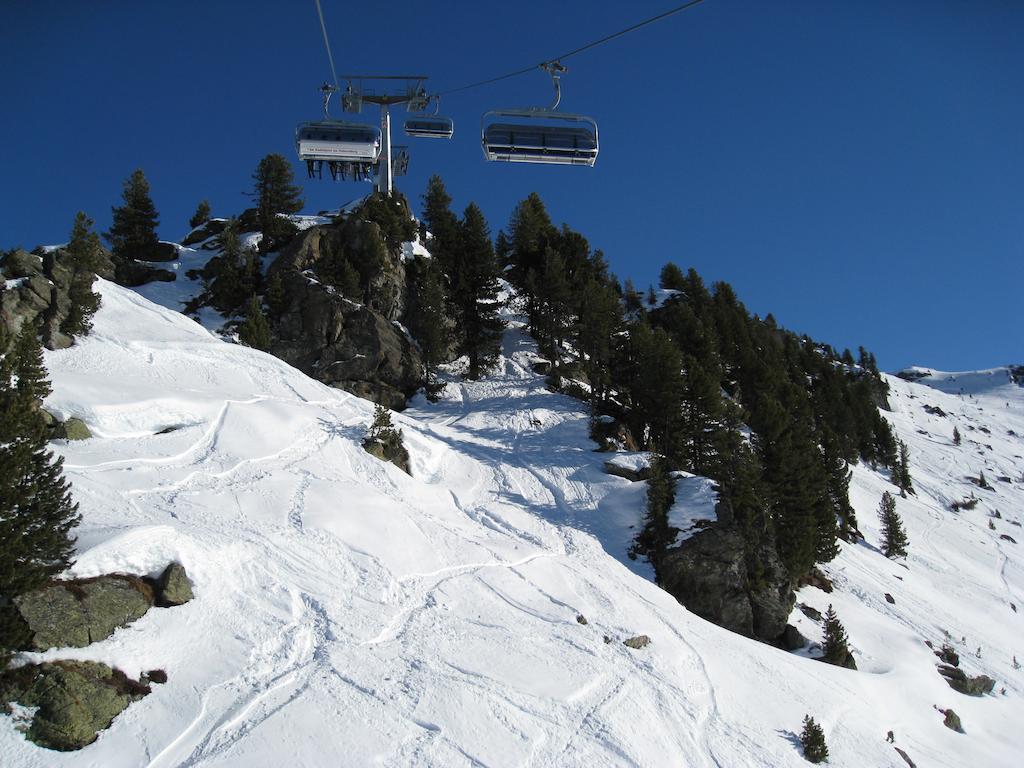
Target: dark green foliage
x=84, y=252
x=234, y=275
x=384, y=441
x=201, y=216
x=657, y=534
x=255, y=331
x=336, y=270
x=598, y=324
x=834, y=648
x=132, y=233
x=392, y=215
x=382, y=428
x=894, y=537
x=901, y=471
x=275, y=296
x=812, y=739
x=275, y=194
x=652, y=374
x=474, y=293
x=956, y=436
x=442, y=224
x=427, y=320
x=36, y=510
x=672, y=278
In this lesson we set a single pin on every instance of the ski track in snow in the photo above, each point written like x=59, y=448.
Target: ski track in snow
x=347, y=614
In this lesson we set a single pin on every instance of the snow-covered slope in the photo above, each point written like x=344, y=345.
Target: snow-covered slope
x=347, y=614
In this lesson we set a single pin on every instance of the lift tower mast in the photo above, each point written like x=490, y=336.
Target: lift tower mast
x=412, y=94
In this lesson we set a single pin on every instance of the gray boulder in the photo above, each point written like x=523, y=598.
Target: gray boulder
x=791, y=639
x=77, y=613
x=952, y=720
x=174, y=586
x=73, y=700
x=708, y=574
x=638, y=642
x=963, y=683
x=389, y=450
x=71, y=429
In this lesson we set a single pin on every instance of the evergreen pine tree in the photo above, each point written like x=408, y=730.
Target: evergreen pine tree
x=255, y=331
x=442, y=224
x=428, y=322
x=475, y=294
x=36, y=510
x=275, y=193
x=835, y=647
x=901, y=471
x=553, y=307
x=672, y=278
x=275, y=295
x=224, y=273
x=894, y=537
x=201, y=216
x=839, y=474
x=656, y=534
x=382, y=428
x=84, y=252
x=132, y=233
x=654, y=380
x=956, y=436
x=812, y=739
x=600, y=317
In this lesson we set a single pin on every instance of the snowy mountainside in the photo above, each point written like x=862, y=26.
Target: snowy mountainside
x=348, y=614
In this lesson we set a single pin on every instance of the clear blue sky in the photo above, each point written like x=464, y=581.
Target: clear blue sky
x=855, y=168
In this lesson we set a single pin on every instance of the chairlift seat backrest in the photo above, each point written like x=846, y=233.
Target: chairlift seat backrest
x=429, y=127
x=530, y=137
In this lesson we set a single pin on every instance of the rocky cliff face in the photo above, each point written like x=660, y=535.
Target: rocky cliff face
x=708, y=574
x=35, y=289
x=356, y=346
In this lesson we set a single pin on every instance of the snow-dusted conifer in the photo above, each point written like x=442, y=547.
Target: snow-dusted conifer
x=812, y=738
x=835, y=647
x=894, y=537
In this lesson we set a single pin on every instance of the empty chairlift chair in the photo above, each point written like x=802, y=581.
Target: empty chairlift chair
x=538, y=135
x=429, y=127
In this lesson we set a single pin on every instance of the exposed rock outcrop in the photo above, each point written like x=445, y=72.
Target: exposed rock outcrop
x=76, y=613
x=34, y=287
x=708, y=574
x=638, y=642
x=73, y=700
x=963, y=683
x=355, y=346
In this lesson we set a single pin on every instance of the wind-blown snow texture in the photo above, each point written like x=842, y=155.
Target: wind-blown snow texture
x=347, y=614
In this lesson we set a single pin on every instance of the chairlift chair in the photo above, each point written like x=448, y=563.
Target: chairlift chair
x=424, y=126
x=540, y=135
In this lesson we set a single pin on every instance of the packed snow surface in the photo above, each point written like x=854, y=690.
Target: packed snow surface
x=347, y=614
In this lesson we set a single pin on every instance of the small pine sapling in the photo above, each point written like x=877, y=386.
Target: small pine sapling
x=812, y=739
x=201, y=216
x=894, y=537
x=956, y=436
x=835, y=647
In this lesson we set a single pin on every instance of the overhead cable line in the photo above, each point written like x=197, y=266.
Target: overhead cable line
x=330, y=57
x=593, y=44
